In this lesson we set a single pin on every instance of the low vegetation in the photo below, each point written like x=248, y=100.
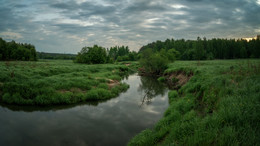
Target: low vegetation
x=219, y=105
x=54, y=82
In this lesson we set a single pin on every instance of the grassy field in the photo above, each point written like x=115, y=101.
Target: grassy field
x=219, y=105
x=49, y=82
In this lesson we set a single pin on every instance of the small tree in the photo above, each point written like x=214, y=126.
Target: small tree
x=155, y=63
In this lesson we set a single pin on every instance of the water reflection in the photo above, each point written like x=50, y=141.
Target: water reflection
x=113, y=122
x=47, y=108
x=149, y=87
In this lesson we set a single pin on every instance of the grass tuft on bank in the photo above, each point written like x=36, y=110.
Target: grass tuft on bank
x=219, y=105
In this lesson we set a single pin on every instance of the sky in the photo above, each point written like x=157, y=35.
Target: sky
x=65, y=26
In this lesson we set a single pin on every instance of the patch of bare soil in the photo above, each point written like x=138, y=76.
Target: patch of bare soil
x=127, y=64
x=73, y=90
x=112, y=83
x=178, y=79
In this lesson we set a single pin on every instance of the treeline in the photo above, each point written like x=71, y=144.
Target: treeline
x=122, y=53
x=17, y=51
x=58, y=56
x=100, y=55
x=203, y=49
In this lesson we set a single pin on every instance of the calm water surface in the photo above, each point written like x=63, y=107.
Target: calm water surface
x=112, y=122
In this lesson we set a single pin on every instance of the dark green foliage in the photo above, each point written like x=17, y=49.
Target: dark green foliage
x=43, y=55
x=92, y=55
x=58, y=82
x=16, y=51
x=173, y=94
x=161, y=79
x=100, y=55
x=218, y=106
x=203, y=49
x=155, y=63
x=122, y=53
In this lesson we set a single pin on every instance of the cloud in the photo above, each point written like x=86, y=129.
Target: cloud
x=67, y=26
x=11, y=35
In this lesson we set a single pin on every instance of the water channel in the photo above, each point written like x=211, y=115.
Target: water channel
x=112, y=122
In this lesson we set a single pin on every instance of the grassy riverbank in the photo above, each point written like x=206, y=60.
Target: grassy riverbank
x=48, y=82
x=219, y=105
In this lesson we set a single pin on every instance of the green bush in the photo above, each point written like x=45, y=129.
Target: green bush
x=161, y=79
x=173, y=94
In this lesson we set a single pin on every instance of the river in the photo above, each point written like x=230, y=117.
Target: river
x=111, y=122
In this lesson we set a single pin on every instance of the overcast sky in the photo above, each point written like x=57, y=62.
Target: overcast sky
x=65, y=26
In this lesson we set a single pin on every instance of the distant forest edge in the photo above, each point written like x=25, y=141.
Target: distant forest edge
x=58, y=56
x=17, y=51
x=203, y=49
x=100, y=55
x=200, y=49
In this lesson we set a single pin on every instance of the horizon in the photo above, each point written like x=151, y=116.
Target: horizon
x=65, y=53
x=67, y=26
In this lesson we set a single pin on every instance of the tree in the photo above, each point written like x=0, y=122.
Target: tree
x=16, y=51
x=154, y=63
x=92, y=55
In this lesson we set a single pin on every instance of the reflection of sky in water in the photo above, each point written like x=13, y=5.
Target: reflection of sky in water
x=110, y=123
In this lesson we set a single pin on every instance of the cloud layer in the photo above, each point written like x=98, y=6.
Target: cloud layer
x=67, y=26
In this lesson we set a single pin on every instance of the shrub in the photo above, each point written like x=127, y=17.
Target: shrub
x=161, y=79
x=173, y=94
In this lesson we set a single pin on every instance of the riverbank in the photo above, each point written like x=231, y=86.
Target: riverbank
x=53, y=82
x=219, y=105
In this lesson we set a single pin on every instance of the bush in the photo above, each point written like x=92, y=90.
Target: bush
x=153, y=63
x=173, y=94
x=92, y=55
x=161, y=79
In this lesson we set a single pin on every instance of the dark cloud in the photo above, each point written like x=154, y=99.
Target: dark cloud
x=67, y=26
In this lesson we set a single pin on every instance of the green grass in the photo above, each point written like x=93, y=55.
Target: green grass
x=51, y=82
x=218, y=106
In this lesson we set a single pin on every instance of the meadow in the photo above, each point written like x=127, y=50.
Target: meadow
x=219, y=105
x=53, y=82
x=211, y=102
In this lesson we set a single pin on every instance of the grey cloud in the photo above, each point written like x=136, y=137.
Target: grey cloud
x=134, y=22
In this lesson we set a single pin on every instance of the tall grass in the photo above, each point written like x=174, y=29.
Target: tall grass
x=218, y=106
x=49, y=82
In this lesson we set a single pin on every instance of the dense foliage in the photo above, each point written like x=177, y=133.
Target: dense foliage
x=100, y=55
x=154, y=63
x=92, y=55
x=17, y=51
x=219, y=105
x=58, y=56
x=122, y=53
x=52, y=82
x=203, y=49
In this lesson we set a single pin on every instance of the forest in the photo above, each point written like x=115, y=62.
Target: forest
x=17, y=51
x=101, y=55
x=208, y=49
x=56, y=56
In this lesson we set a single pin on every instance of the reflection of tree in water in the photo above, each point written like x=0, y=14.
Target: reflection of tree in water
x=151, y=88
